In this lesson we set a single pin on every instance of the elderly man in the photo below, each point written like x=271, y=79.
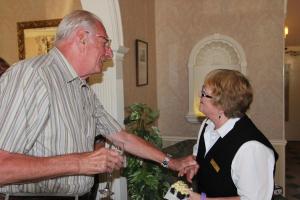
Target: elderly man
x=49, y=117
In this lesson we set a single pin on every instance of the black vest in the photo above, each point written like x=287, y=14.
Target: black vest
x=214, y=175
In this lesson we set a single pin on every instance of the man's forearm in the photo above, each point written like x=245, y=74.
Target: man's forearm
x=141, y=148
x=17, y=168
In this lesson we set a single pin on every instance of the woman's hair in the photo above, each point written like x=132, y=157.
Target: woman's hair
x=3, y=66
x=77, y=18
x=231, y=91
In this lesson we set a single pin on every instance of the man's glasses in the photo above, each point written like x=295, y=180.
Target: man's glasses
x=203, y=94
x=107, y=42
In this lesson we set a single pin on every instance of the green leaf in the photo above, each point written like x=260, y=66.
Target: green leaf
x=146, y=179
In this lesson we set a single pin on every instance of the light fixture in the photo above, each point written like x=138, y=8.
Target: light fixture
x=286, y=31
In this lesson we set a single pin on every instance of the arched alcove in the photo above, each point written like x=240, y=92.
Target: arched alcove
x=213, y=52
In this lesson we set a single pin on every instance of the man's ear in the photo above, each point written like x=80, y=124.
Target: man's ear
x=81, y=36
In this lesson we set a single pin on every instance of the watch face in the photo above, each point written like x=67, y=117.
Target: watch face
x=165, y=163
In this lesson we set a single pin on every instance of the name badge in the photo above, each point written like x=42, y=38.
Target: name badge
x=215, y=165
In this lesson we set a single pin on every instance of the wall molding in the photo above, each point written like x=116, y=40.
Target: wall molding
x=278, y=142
x=175, y=139
x=180, y=138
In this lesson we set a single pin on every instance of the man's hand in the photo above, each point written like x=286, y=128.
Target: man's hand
x=99, y=161
x=180, y=164
x=190, y=172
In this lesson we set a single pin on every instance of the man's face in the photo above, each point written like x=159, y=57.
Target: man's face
x=97, y=50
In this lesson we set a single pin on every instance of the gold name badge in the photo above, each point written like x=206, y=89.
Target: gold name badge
x=215, y=165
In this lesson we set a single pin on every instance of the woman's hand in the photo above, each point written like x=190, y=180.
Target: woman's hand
x=179, y=164
x=190, y=171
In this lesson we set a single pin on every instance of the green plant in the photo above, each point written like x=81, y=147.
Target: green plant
x=146, y=179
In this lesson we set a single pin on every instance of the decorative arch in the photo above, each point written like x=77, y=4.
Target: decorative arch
x=110, y=87
x=213, y=52
x=110, y=91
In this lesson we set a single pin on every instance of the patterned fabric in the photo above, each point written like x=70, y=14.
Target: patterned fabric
x=47, y=110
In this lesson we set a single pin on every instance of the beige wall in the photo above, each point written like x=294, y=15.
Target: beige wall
x=257, y=27
x=138, y=23
x=14, y=11
x=178, y=25
x=171, y=28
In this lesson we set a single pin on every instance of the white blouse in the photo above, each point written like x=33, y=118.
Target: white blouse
x=252, y=166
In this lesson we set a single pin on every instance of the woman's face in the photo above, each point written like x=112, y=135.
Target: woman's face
x=206, y=103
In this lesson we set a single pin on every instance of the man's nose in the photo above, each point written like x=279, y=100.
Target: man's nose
x=109, y=53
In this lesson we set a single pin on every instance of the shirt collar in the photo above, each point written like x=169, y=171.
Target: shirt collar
x=225, y=128
x=69, y=70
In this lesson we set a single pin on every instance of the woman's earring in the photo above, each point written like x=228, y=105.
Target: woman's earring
x=220, y=115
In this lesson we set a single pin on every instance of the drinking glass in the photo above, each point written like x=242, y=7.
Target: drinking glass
x=107, y=191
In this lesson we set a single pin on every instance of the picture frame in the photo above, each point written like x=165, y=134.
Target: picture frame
x=141, y=62
x=36, y=37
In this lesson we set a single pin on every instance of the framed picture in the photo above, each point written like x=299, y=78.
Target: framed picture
x=36, y=37
x=141, y=62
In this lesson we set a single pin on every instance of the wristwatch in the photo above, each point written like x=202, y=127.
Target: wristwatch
x=165, y=162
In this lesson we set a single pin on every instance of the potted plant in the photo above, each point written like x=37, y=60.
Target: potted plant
x=146, y=180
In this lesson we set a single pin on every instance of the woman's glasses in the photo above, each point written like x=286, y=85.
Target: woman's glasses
x=203, y=94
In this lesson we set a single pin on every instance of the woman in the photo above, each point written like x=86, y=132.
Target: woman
x=236, y=160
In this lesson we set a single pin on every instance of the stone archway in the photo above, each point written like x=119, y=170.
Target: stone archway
x=110, y=91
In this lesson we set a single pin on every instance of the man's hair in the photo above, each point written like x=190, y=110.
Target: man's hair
x=77, y=18
x=231, y=91
x=3, y=66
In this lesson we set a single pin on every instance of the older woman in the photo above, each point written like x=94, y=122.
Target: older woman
x=236, y=160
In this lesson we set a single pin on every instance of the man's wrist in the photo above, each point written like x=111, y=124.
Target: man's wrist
x=166, y=160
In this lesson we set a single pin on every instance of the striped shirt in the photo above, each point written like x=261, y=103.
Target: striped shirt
x=47, y=110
